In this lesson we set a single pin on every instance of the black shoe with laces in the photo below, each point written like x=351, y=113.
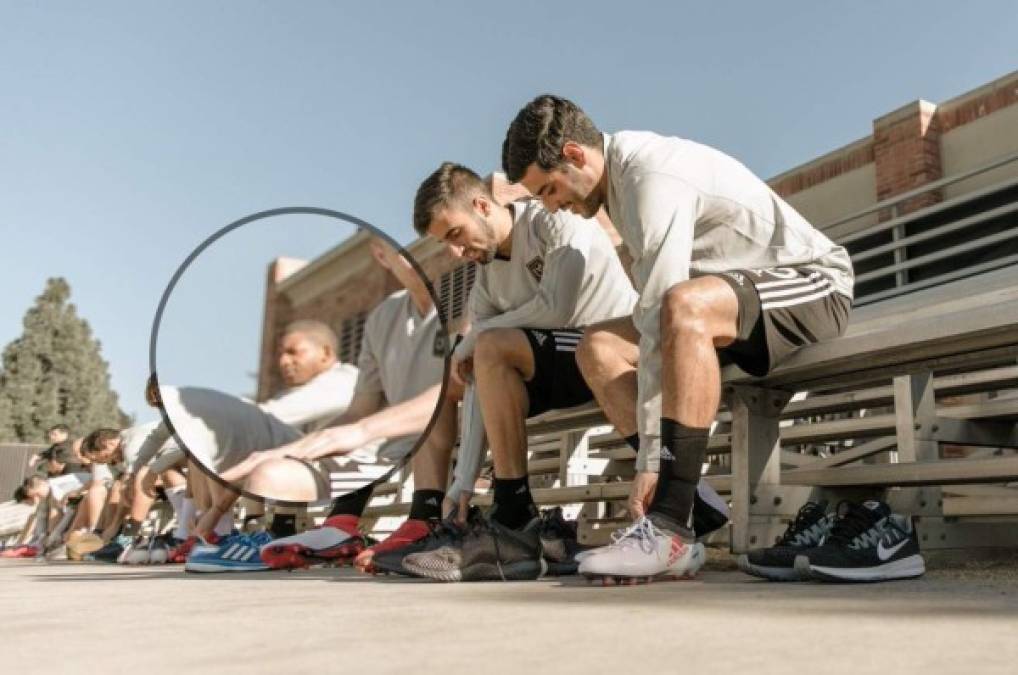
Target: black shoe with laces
x=777, y=563
x=866, y=543
x=559, y=543
x=443, y=533
x=487, y=551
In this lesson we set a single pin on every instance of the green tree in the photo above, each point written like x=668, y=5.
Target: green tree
x=55, y=373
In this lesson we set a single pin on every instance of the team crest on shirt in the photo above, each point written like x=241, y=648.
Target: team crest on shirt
x=536, y=267
x=441, y=344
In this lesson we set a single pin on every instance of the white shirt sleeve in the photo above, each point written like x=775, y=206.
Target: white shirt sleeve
x=152, y=444
x=663, y=209
x=567, y=249
x=473, y=444
x=324, y=397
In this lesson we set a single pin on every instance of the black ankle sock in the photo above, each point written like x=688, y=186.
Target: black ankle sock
x=426, y=505
x=514, y=506
x=351, y=504
x=130, y=528
x=283, y=525
x=682, y=453
x=633, y=441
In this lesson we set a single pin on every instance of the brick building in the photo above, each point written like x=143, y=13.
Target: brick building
x=962, y=148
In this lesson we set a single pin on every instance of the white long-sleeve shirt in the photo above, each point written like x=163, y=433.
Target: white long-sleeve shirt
x=563, y=272
x=683, y=208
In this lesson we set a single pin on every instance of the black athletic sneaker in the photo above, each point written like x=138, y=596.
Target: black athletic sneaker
x=487, y=551
x=777, y=563
x=866, y=543
x=445, y=533
x=558, y=542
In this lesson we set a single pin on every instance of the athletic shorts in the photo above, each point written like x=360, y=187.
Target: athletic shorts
x=781, y=310
x=557, y=382
x=341, y=475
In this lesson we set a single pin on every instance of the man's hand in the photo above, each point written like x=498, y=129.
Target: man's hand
x=642, y=492
x=460, y=505
x=462, y=370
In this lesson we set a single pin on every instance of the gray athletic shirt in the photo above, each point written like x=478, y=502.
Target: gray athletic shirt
x=219, y=429
x=324, y=397
x=684, y=208
x=402, y=355
x=581, y=282
x=563, y=272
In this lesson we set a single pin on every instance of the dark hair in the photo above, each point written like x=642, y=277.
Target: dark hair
x=20, y=494
x=540, y=130
x=59, y=427
x=152, y=396
x=450, y=183
x=97, y=438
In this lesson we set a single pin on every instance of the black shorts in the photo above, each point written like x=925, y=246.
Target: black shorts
x=557, y=381
x=781, y=310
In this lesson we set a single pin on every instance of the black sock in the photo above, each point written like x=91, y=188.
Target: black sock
x=514, y=506
x=352, y=504
x=283, y=525
x=633, y=441
x=426, y=505
x=130, y=528
x=683, y=450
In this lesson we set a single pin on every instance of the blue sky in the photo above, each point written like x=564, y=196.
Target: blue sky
x=129, y=133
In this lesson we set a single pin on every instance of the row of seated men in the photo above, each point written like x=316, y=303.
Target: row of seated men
x=555, y=321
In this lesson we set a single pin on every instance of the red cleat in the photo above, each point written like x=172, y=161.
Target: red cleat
x=410, y=532
x=337, y=541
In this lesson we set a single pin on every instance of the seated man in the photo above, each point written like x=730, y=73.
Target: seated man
x=221, y=431
x=727, y=272
x=543, y=277
x=117, y=464
x=401, y=362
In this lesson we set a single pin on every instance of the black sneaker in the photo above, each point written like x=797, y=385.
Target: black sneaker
x=110, y=552
x=777, y=563
x=444, y=533
x=558, y=542
x=866, y=543
x=487, y=551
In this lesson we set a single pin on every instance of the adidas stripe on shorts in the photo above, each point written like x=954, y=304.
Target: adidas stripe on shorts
x=557, y=382
x=781, y=310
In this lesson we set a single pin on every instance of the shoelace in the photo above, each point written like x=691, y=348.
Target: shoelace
x=854, y=521
x=804, y=519
x=640, y=533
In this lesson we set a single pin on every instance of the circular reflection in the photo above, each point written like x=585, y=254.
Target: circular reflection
x=261, y=449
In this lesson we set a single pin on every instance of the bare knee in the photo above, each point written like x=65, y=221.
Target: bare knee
x=282, y=478
x=502, y=346
x=685, y=309
x=595, y=350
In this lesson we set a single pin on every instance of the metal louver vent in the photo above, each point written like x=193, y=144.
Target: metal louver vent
x=351, y=331
x=454, y=289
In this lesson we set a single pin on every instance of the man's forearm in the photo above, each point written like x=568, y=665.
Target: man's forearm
x=403, y=419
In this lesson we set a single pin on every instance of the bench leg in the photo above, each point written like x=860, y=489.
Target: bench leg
x=915, y=411
x=756, y=465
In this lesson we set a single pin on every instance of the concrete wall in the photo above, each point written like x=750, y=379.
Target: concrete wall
x=838, y=197
x=979, y=142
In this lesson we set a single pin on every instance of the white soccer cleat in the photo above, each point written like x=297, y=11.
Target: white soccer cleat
x=643, y=553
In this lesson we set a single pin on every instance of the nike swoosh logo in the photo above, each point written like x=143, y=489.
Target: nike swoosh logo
x=885, y=553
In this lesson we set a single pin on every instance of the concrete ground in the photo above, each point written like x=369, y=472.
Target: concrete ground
x=84, y=618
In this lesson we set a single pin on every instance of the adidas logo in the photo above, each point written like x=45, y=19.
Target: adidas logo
x=667, y=454
x=521, y=489
x=540, y=337
x=432, y=501
x=738, y=277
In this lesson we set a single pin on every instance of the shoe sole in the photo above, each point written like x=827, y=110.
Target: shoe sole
x=212, y=568
x=766, y=572
x=906, y=568
x=295, y=556
x=525, y=570
x=618, y=580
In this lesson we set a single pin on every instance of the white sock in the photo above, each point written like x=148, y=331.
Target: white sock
x=185, y=514
x=225, y=525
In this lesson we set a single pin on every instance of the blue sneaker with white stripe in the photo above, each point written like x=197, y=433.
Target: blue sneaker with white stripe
x=237, y=553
